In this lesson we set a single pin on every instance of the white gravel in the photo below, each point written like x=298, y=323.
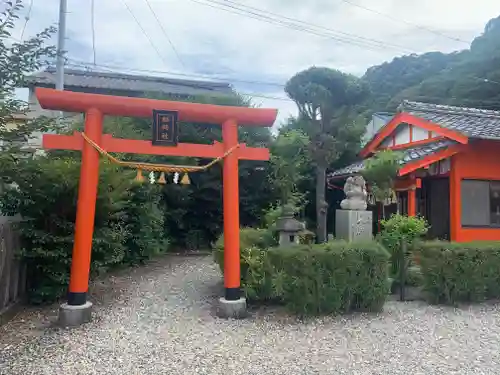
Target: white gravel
x=162, y=322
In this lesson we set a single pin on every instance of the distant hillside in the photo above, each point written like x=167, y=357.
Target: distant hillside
x=457, y=78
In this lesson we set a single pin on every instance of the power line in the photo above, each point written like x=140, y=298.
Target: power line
x=107, y=67
x=192, y=75
x=404, y=21
x=487, y=80
x=242, y=10
x=350, y=39
x=165, y=33
x=27, y=18
x=349, y=35
x=92, y=22
x=430, y=99
x=124, y=2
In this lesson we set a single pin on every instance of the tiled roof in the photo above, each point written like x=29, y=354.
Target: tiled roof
x=129, y=82
x=385, y=116
x=472, y=122
x=410, y=154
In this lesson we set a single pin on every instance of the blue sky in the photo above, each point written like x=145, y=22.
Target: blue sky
x=237, y=47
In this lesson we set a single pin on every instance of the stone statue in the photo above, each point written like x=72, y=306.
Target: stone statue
x=355, y=191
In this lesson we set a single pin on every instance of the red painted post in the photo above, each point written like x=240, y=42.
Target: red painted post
x=231, y=204
x=412, y=202
x=85, y=211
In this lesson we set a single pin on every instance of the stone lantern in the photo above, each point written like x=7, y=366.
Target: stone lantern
x=288, y=228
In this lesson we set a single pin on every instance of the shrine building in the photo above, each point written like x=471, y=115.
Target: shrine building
x=450, y=169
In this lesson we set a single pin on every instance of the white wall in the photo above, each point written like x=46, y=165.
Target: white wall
x=375, y=124
x=402, y=135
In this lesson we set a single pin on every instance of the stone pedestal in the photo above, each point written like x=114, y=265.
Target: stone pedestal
x=353, y=225
x=232, y=309
x=72, y=316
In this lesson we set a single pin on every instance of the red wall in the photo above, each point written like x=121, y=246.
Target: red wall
x=480, y=160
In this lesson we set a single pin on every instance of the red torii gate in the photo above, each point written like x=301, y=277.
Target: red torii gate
x=95, y=107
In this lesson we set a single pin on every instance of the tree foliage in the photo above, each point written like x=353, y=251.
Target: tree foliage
x=289, y=160
x=468, y=78
x=326, y=100
x=193, y=214
x=16, y=60
x=44, y=194
x=380, y=172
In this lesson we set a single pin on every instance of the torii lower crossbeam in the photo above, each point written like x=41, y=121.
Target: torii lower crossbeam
x=95, y=107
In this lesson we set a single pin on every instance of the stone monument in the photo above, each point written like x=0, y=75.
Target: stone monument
x=288, y=228
x=353, y=221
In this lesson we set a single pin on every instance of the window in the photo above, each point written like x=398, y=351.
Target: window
x=495, y=203
x=480, y=203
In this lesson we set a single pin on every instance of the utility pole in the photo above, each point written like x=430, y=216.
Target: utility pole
x=61, y=36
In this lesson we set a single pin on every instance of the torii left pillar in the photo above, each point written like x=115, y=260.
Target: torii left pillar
x=95, y=107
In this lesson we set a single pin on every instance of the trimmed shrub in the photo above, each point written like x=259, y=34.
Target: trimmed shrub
x=255, y=275
x=460, y=272
x=249, y=238
x=332, y=278
x=257, y=278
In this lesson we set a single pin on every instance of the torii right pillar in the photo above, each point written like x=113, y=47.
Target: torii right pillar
x=232, y=305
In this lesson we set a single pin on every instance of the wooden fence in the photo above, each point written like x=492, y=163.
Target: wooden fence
x=12, y=271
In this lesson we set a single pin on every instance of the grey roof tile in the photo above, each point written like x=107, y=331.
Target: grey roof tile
x=385, y=116
x=411, y=154
x=129, y=82
x=472, y=122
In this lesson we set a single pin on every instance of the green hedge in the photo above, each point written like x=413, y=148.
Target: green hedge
x=460, y=272
x=255, y=238
x=255, y=279
x=332, y=278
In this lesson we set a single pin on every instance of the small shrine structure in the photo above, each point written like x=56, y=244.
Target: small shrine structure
x=450, y=169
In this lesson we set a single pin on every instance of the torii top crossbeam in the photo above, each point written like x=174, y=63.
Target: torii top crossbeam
x=140, y=107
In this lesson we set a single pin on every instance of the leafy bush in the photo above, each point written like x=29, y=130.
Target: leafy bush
x=398, y=229
x=254, y=272
x=144, y=223
x=249, y=238
x=460, y=272
x=44, y=192
x=336, y=277
x=257, y=276
x=307, y=237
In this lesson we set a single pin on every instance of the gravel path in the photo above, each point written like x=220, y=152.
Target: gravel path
x=159, y=320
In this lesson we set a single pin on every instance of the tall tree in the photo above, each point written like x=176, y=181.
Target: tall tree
x=16, y=60
x=289, y=160
x=327, y=101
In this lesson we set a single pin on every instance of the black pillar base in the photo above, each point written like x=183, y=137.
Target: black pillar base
x=77, y=298
x=232, y=294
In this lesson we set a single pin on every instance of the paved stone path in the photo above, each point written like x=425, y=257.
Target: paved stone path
x=159, y=320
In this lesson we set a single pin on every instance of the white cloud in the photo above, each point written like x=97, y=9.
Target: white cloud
x=213, y=41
